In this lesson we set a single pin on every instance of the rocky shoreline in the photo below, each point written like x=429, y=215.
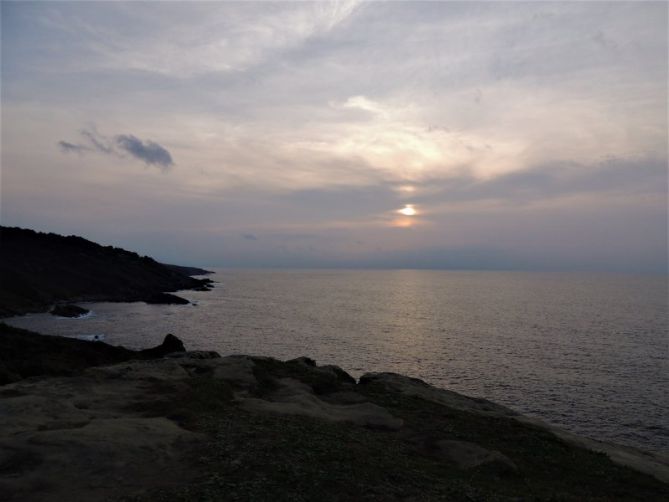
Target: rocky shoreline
x=40, y=270
x=198, y=426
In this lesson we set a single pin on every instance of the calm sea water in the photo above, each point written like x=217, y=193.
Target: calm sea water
x=584, y=352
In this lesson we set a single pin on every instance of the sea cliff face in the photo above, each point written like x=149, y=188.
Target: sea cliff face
x=39, y=269
x=197, y=426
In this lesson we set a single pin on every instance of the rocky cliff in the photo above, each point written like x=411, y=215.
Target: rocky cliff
x=38, y=269
x=197, y=426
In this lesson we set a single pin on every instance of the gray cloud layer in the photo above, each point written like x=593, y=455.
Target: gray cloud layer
x=149, y=152
x=526, y=135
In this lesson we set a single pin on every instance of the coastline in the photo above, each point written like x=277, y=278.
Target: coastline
x=44, y=270
x=256, y=425
x=137, y=325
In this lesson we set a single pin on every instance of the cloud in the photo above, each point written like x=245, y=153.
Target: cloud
x=327, y=118
x=97, y=140
x=71, y=147
x=551, y=180
x=250, y=237
x=230, y=37
x=363, y=103
x=149, y=152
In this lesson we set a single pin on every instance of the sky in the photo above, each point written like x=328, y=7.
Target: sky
x=474, y=135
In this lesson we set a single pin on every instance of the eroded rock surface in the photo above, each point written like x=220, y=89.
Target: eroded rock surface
x=418, y=388
x=197, y=426
x=96, y=436
x=296, y=398
x=75, y=438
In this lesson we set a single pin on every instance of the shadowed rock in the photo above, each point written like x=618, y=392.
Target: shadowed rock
x=26, y=354
x=170, y=345
x=296, y=398
x=468, y=455
x=68, y=311
x=418, y=388
x=127, y=430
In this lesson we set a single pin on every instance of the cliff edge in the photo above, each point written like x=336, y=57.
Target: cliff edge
x=197, y=426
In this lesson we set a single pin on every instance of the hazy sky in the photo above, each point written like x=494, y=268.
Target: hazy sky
x=522, y=135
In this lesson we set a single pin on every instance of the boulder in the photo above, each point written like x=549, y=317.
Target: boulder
x=170, y=344
x=323, y=379
x=306, y=361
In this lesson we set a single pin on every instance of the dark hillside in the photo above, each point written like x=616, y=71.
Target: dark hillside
x=26, y=354
x=38, y=269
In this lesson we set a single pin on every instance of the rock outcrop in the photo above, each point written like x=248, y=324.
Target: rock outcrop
x=25, y=354
x=77, y=438
x=197, y=426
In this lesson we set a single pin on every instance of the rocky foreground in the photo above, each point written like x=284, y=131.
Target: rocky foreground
x=197, y=426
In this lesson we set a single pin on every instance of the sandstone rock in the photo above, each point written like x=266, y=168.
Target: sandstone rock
x=237, y=370
x=296, y=398
x=418, y=388
x=112, y=431
x=93, y=461
x=74, y=438
x=234, y=370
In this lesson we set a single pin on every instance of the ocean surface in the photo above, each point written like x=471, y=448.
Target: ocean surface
x=586, y=352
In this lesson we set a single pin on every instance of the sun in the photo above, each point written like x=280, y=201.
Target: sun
x=408, y=210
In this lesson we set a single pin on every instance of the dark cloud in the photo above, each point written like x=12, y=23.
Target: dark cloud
x=250, y=237
x=98, y=141
x=71, y=147
x=149, y=152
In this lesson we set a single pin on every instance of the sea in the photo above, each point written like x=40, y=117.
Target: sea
x=585, y=352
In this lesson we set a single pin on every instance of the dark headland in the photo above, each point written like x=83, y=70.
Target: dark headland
x=88, y=421
x=39, y=270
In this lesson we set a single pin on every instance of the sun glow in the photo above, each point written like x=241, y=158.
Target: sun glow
x=408, y=210
x=406, y=189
